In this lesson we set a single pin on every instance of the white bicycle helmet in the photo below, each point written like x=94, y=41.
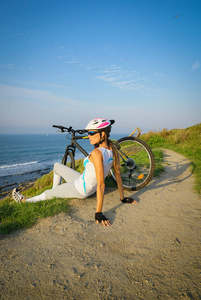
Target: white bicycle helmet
x=99, y=124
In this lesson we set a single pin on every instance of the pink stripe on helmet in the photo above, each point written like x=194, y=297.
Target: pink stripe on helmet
x=103, y=125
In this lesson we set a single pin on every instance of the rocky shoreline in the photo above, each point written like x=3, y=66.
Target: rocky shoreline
x=22, y=181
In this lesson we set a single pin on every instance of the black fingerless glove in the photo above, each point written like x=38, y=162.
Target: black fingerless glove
x=127, y=200
x=99, y=216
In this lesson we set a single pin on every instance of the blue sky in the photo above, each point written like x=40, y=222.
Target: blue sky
x=68, y=61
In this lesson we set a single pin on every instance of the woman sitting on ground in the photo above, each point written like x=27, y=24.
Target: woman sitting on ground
x=97, y=166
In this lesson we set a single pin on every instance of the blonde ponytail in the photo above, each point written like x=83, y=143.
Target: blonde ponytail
x=115, y=155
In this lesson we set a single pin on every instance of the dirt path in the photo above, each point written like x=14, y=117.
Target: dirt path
x=151, y=251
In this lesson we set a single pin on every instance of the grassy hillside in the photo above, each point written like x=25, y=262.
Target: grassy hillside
x=184, y=141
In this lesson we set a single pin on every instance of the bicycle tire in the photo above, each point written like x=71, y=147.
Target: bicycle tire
x=69, y=160
x=137, y=163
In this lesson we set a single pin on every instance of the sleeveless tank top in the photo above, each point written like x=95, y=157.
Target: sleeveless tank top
x=86, y=183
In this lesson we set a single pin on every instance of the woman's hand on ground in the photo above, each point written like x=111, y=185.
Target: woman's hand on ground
x=128, y=200
x=105, y=223
x=100, y=218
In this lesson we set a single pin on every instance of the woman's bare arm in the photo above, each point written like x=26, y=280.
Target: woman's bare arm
x=97, y=159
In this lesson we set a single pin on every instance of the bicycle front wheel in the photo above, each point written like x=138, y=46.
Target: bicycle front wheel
x=68, y=160
x=137, y=163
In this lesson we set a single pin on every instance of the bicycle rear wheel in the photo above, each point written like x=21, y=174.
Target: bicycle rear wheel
x=137, y=163
x=68, y=160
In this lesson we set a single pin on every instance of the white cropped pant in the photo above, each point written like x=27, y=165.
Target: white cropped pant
x=65, y=190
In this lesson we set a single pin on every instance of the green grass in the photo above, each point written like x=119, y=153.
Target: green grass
x=15, y=216
x=41, y=184
x=184, y=141
x=158, y=155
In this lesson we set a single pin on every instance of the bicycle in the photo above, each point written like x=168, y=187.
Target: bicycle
x=137, y=162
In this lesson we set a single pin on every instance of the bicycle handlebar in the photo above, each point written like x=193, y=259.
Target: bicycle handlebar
x=69, y=129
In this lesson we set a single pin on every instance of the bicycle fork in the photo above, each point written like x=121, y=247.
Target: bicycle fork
x=69, y=148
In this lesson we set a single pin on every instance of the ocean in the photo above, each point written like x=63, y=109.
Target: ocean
x=25, y=158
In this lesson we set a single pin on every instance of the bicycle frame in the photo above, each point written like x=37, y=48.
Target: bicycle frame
x=136, y=168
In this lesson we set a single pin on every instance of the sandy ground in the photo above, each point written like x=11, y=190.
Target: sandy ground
x=151, y=251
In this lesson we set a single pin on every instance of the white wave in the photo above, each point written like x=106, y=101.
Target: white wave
x=18, y=165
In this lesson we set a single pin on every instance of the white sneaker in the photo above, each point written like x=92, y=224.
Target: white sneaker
x=17, y=196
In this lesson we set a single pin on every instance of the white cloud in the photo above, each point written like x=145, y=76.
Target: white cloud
x=44, y=84
x=123, y=79
x=15, y=68
x=23, y=109
x=107, y=79
x=28, y=110
x=128, y=85
x=159, y=75
x=196, y=65
x=113, y=75
x=72, y=61
x=30, y=95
